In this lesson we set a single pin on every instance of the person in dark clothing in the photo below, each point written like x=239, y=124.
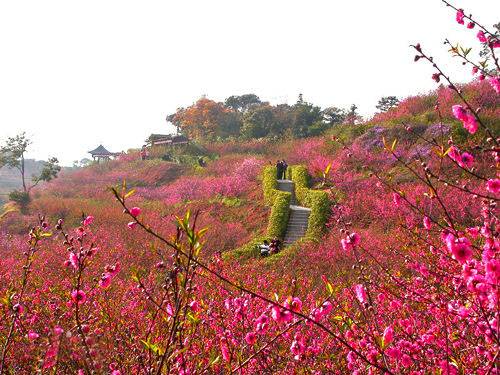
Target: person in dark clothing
x=284, y=166
x=279, y=170
x=274, y=246
x=264, y=248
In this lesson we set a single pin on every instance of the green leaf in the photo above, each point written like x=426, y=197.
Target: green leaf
x=130, y=193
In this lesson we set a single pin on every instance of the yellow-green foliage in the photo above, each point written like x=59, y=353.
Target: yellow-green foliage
x=278, y=220
x=318, y=202
x=269, y=184
x=300, y=177
x=246, y=251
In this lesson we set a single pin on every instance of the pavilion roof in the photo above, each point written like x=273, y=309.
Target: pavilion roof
x=101, y=150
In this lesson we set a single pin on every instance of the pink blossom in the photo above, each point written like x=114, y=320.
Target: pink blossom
x=471, y=124
x=396, y=198
x=481, y=36
x=294, y=304
x=493, y=185
x=467, y=160
x=475, y=69
x=495, y=83
x=195, y=306
x=132, y=225
x=250, y=338
x=471, y=25
x=459, y=112
x=78, y=296
x=361, y=293
x=73, y=259
x=460, y=16
x=135, y=211
x=18, y=308
x=33, y=335
x=460, y=248
x=427, y=223
x=105, y=280
x=281, y=316
x=388, y=335
x=88, y=220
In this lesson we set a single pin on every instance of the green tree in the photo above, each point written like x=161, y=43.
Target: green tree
x=334, y=115
x=304, y=115
x=386, y=103
x=12, y=155
x=352, y=116
x=242, y=103
x=258, y=122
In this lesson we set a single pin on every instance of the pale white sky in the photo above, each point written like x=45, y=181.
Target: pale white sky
x=74, y=74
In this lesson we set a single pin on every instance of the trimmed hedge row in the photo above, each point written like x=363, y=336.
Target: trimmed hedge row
x=316, y=200
x=278, y=220
x=269, y=184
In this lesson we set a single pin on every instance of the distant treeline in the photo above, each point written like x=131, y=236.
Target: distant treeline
x=247, y=117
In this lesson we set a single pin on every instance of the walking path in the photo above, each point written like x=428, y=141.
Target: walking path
x=299, y=216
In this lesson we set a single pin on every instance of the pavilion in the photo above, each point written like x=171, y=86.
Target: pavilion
x=100, y=153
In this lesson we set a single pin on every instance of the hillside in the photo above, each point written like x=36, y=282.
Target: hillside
x=380, y=252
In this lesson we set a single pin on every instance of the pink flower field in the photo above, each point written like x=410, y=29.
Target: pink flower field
x=151, y=267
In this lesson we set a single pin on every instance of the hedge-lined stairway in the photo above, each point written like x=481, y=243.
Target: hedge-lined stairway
x=297, y=211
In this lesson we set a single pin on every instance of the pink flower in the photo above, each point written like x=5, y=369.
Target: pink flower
x=195, y=306
x=427, y=223
x=495, y=83
x=388, y=335
x=32, y=336
x=471, y=25
x=475, y=69
x=135, y=211
x=361, y=293
x=73, y=259
x=132, y=225
x=461, y=249
x=481, y=36
x=468, y=120
x=355, y=238
x=105, y=280
x=251, y=338
x=396, y=198
x=493, y=185
x=459, y=112
x=78, y=296
x=460, y=16
x=281, y=316
x=467, y=159
x=18, y=308
x=58, y=330
x=88, y=220
x=294, y=304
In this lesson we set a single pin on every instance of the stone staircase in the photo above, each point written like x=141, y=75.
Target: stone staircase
x=299, y=216
x=288, y=185
x=297, y=224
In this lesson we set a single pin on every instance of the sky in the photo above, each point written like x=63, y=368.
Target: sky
x=76, y=74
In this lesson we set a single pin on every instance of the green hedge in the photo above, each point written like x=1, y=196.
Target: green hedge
x=318, y=202
x=269, y=184
x=300, y=177
x=278, y=220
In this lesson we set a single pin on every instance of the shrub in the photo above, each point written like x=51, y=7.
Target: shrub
x=22, y=198
x=269, y=184
x=280, y=212
x=300, y=177
x=318, y=202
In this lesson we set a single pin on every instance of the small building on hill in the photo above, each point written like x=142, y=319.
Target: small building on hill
x=100, y=153
x=166, y=139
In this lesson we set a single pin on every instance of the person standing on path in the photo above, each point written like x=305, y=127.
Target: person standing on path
x=284, y=166
x=279, y=170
